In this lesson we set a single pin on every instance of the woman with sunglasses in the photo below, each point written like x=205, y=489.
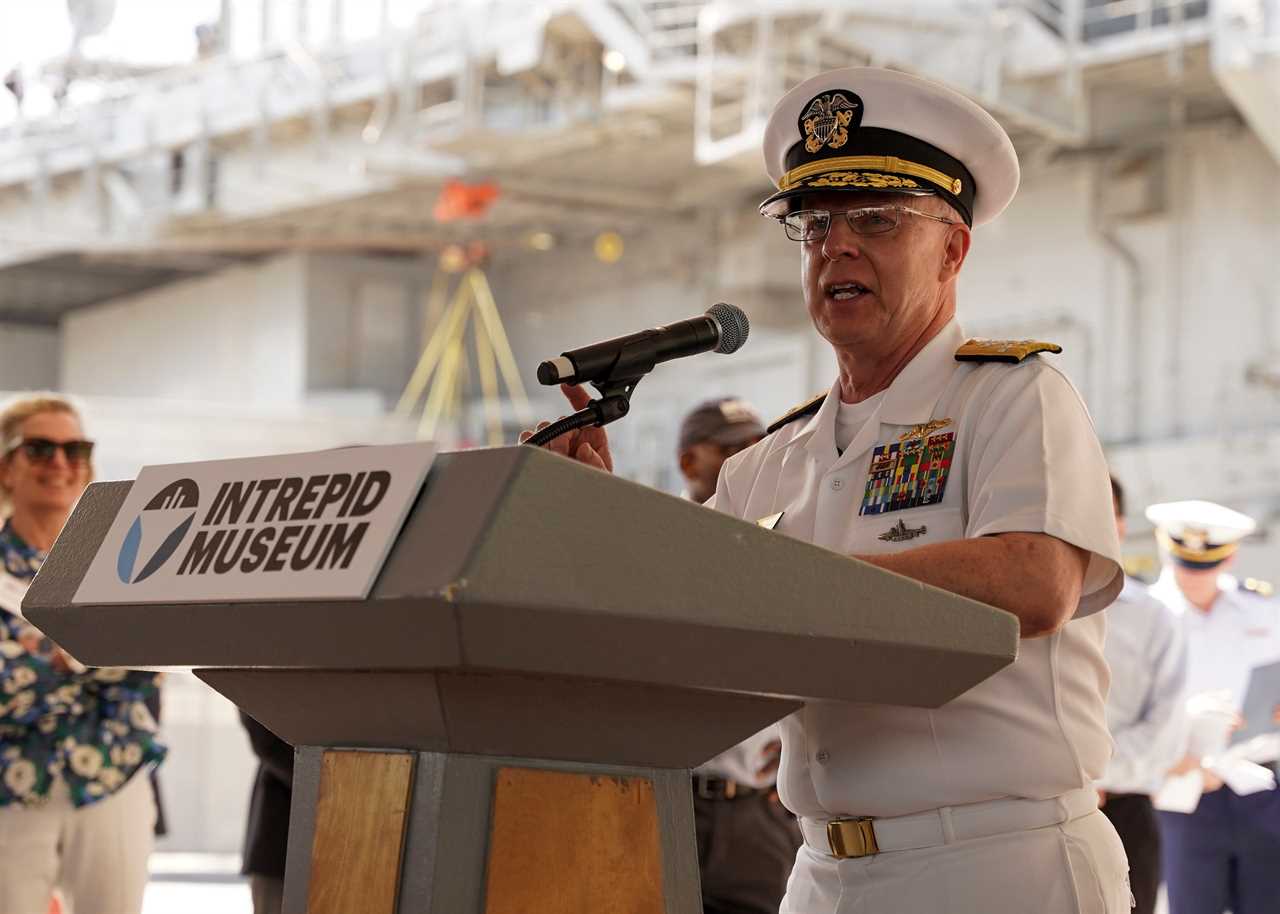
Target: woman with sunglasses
x=76, y=811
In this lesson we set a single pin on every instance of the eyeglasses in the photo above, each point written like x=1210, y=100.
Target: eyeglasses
x=815, y=224
x=42, y=450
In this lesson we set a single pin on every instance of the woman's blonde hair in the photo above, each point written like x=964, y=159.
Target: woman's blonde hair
x=18, y=411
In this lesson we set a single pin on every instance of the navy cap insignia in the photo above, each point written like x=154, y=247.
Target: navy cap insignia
x=1195, y=539
x=827, y=119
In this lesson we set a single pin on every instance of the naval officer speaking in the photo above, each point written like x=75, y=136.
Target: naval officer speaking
x=970, y=465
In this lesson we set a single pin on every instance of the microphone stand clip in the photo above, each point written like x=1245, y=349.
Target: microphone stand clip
x=632, y=364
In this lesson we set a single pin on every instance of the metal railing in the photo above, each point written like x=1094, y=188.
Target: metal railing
x=1096, y=20
x=668, y=27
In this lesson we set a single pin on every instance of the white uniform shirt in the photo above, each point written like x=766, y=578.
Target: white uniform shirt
x=743, y=762
x=1024, y=458
x=1146, y=705
x=1240, y=631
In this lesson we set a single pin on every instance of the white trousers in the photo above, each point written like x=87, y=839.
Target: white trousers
x=95, y=855
x=1078, y=867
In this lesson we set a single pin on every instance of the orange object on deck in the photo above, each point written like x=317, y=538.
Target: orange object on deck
x=459, y=200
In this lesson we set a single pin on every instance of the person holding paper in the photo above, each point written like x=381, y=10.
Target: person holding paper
x=1222, y=853
x=76, y=810
x=1147, y=719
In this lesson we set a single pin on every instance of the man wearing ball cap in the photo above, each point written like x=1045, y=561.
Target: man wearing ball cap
x=970, y=465
x=1224, y=854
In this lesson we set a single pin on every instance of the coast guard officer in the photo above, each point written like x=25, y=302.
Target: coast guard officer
x=1226, y=854
x=969, y=465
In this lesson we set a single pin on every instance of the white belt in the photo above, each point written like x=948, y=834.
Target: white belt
x=861, y=837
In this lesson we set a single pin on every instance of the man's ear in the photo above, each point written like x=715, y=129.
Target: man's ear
x=954, y=251
x=688, y=464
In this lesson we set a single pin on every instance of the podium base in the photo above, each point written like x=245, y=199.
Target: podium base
x=427, y=833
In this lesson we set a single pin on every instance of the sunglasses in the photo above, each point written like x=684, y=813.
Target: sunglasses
x=42, y=450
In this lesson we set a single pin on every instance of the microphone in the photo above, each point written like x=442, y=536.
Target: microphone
x=723, y=328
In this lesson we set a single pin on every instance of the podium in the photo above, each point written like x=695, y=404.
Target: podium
x=505, y=725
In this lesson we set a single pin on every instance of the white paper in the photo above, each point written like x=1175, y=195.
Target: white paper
x=1180, y=793
x=1242, y=776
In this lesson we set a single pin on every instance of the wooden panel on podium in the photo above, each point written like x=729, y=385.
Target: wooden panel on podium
x=573, y=842
x=361, y=813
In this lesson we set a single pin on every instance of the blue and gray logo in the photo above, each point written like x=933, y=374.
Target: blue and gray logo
x=173, y=509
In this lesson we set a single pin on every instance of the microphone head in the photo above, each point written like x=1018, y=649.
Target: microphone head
x=733, y=324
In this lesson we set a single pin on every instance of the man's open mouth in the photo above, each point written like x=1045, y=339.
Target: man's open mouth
x=846, y=291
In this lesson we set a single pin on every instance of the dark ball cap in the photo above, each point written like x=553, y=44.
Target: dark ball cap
x=727, y=420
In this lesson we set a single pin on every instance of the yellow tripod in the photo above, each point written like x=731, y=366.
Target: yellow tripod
x=442, y=370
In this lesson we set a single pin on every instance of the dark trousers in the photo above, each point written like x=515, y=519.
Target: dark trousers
x=267, y=893
x=746, y=848
x=1135, y=821
x=1225, y=856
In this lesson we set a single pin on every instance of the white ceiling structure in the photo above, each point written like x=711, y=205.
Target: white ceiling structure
x=586, y=114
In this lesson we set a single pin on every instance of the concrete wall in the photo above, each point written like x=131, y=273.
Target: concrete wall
x=363, y=323
x=1173, y=360
x=28, y=357
x=234, y=337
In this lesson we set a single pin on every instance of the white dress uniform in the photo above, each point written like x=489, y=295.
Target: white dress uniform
x=990, y=797
x=1241, y=631
x=1148, y=722
x=1221, y=856
x=1146, y=705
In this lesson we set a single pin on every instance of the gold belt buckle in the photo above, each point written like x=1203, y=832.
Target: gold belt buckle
x=852, y=838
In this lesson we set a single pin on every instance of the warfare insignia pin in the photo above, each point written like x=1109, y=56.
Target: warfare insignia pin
x=920, y=431
x=900, y=533
x=827, y=119
x=910, y=473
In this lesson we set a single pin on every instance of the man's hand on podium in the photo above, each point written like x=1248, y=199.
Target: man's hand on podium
x=586, y=445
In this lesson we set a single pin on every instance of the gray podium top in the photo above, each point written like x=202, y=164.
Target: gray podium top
x=531, y=603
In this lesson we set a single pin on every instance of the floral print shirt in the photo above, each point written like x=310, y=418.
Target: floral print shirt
x=92, y=729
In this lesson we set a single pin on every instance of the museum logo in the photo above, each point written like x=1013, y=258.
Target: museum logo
x=172, y=509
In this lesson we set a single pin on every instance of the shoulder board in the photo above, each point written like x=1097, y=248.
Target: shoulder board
x=1254, y=586
x=804, y=409
x=1012, y=351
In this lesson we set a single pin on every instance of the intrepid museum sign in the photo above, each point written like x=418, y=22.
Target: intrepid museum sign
x=297, y=526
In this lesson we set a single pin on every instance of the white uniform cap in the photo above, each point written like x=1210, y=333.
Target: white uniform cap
x=870, y=129
x=1199, y=534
